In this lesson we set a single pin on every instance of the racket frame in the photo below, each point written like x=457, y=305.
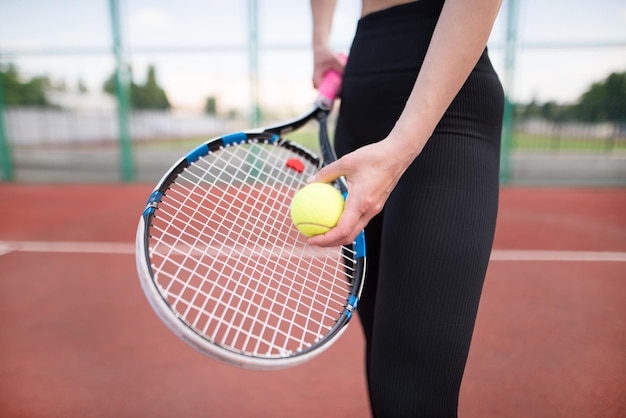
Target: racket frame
x=162, y=307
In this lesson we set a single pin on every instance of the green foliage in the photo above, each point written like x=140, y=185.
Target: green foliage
x=605, y=100
x=150, y=95
x=147, y=96
x=210, y=106
x=23, y=93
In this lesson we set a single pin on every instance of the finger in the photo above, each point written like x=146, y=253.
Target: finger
x=338, y=63
x=348, y=227
x=342, y=234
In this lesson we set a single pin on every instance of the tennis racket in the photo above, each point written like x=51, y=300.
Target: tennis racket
x=221, y=262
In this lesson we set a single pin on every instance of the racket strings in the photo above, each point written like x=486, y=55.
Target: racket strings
x=229, y=261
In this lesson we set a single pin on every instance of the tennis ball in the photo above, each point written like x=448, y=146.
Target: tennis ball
x=316, y=208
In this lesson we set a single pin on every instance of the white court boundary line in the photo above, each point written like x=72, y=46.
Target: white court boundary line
x=552, y=255
x=69, y=247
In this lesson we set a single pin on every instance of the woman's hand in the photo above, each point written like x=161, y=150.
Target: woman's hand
x=324, y=60
x=371, y=172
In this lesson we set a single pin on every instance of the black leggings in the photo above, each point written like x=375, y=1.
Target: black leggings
x=428, y=250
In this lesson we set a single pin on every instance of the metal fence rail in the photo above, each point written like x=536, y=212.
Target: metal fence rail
x=94, y=136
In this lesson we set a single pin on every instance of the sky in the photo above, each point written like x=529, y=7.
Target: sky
x=199, y=47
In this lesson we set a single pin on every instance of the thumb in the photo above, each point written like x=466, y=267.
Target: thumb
x=327, y=174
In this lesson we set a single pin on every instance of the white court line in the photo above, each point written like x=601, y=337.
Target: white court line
x=128, y=248
x=548, y=255
x=66, y=247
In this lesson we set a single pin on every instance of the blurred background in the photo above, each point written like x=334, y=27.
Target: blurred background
x=116, y=90
x=99, y=97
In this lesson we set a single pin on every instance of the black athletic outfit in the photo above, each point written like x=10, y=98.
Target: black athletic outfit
x=428, y=250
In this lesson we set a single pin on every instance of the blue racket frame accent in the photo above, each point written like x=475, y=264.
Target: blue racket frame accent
x=235, y=138
x=196, y=154
x=351, y=305
x=359, y=245
x=153, y=202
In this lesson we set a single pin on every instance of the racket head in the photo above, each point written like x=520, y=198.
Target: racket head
x=225, y=269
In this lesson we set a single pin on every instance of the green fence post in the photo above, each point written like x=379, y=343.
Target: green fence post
x=509, y=80
x=6, y=157
x=122, y=82
x=253, y=61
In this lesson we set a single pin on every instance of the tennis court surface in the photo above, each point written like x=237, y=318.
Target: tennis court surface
x=78, y=338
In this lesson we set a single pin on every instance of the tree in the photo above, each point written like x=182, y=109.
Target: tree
x=604, y=100
x=23, y=93
x=210, y=106
x=150, y=95
x=531, y=110
x=146, y=96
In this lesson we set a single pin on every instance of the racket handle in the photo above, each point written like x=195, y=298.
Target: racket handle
x=330, y=86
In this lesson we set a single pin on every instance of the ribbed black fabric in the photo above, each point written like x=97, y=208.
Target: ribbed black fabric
x=429, y=248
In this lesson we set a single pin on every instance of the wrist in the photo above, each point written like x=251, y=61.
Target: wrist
x=321, y=45
x=407, y=139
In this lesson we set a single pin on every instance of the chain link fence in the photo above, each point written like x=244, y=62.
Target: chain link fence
x=89, y=125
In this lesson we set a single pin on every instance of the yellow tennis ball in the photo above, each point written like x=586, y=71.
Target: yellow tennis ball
x=316, y=208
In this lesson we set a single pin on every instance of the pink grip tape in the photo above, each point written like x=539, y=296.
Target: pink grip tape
x=330, y=86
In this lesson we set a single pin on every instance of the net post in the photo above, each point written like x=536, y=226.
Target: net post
x=509, y=80
x=122, y=81
x=253, y=62
x=6, y=158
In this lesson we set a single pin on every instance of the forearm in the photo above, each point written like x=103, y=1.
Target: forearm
x=457, y=43
x=322, y=12
x=324, y=58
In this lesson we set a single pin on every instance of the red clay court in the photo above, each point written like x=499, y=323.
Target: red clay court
x=78, y=338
